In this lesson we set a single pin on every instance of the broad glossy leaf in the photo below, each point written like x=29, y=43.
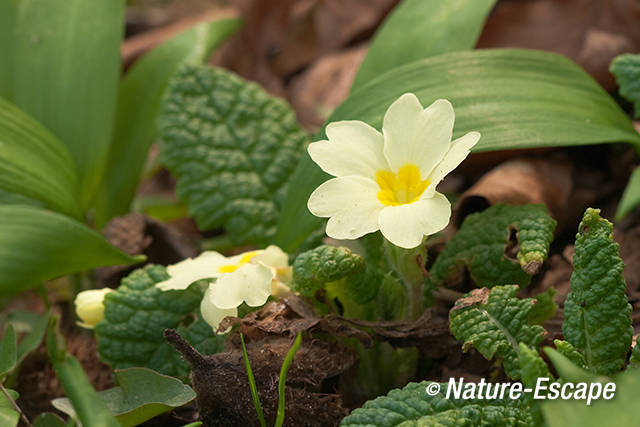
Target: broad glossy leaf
x=65, y=67
x=34, y=163
x=141, y=395
x=38, y=245
x=417, y=29
x=138, y=104
x=8, y=350
x=514, y=98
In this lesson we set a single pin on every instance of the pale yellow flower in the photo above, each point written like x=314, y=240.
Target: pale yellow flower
x=90, y=306
x=387, y=181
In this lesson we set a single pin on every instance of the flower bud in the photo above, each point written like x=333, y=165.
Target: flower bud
x=90, y=306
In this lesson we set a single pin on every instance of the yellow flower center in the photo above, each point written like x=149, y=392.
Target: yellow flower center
x=230, y=268
x=401, y=188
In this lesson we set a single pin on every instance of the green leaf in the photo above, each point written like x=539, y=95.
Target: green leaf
x=313, y=269
x=514, y=98
x=9, y=417
x=494, y=322
x=33, y=326
x=532, y=366
x=34, y=163
x=252, y=384
x=65, y=68
x=8, y=350
x=567, y=368
x=288, y=360
x=38, y=245
x=86, y=402
x=412, y=406
x=417, y=29
x=137, y=313
x=141, y=395
x=138, y=105
x=232, y=148
x=9, y=198
x=485, y=244
x=620, y=411
x=567, y=350
x=48, y=419
x=626, y=68
x=596, y=308
x=544, y=308
x=631, y=196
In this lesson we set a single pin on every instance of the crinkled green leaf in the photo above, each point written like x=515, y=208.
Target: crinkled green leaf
x=232, y=148
x=485, y=238
x=626, y=68
x=597, y=313
x=567, y=350
x=9, y=417
x=514, y=98
x=34, y=163
x=567, y=369
x=494, y=322
x=8, y=350
x=417, y=29
x=141, y=395
x=544, y=308
x=138, y=104
x=37, y=245
x=532, y=366
x=64, y=66
x=412, y=406
x=619, y=411
x=324, y=264
x=137, y=313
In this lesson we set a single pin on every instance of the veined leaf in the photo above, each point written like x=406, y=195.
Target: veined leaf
x=413, y=406
x=597, y=308
x=141, y=395
x=65, y=67
x=417, y=29
x=514, y=98
x=494, y=322
x=532, y=366
x=136, y=315
x=482, y=244
x=34, y=163
x=37, y=245
x=138, y=105
x=626, y=68
x=232, y=148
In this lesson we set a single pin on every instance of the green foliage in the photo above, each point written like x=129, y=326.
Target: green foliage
x=47, y=74
x=48, y=419
x=282, y=381
x=232, y=148
x=9, y=417
x=534, y=99
x=8, y=351
x=417, y=29
x=620, y=411
x=138, y=104
x=137, y=313
x=567, y=368
x=631, y=195
x=252, y=384
x=412, y=406
x=567, y=350
x=34, y=163
x=544, y=308
x=482, y=243
x=38, y=245
x=87, y=404
x=626, y=68
x=32, y=326
x=494, y=322
x=532, y=366
x=141, y=395
x=313, y=269
x=596, y=309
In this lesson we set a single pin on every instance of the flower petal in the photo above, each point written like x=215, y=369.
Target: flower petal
x=251, y=283
x=272, y=256
x=460, y=149
x=184, y=273
x=353, y=148
x=406, y=225
x=351, y=203
x=416, y=136
x=214, y=315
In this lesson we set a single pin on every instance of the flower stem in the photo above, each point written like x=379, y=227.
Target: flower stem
x=407, y=264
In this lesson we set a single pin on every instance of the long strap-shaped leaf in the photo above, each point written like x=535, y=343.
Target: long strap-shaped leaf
x=138, y=104
x=62, y=63
x=514, y=98
x=38, y=245
x=419, y=29
x=34, y=163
